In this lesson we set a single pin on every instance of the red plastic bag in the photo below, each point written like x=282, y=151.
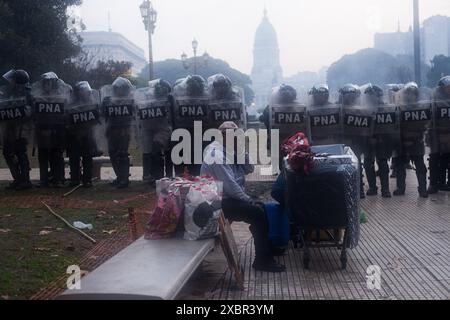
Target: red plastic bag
x=165, y=218
x=298, y=152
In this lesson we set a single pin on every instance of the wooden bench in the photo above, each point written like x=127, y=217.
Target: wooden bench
x=146, y=270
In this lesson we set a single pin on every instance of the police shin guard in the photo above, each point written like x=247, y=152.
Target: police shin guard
x=13, y=166
x=384, y=177
x=157, y=169
x=371, y=178
x=421, y=172
x=124, y=170
x=400, y=172
x=434, y=173
x=146, y=166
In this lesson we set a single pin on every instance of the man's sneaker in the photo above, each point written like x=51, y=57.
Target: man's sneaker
x=399, y=192
x=372, y=192
x=432, y=190
x=268, y=265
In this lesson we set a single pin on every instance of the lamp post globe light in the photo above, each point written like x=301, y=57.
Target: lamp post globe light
x=149, y=16
x=184, y=58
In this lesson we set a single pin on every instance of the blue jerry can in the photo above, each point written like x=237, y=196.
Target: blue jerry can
x=279, y=228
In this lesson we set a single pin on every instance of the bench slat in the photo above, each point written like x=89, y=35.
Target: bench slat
x=147, y=269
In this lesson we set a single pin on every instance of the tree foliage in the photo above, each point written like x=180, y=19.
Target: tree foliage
x=172, y=70
x=440, y=67
x=371, y=65
x=34, y=37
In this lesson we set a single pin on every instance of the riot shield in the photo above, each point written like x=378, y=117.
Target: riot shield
x=118, y=110
x=325, y=124
x=15, y=116
x=84, y=123
x=154, y=119
x=358, y=121
x=288, y=119
x=190, y=105
x=226, y=103
x=441, y=125
x=415, y=120
x=50, y=100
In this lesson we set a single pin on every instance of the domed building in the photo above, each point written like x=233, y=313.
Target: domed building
x=266, y=72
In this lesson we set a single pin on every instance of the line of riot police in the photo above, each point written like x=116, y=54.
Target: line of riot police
x=54, y=117
x=397, y=126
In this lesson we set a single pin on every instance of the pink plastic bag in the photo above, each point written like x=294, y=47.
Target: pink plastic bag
x=165, y=218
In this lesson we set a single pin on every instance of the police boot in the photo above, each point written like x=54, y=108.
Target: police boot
x=422, y=180
x=25, y=183
x=15, y=172
x=146, y=166
x=384, y=178
x=433, y=161
x=124, y=171
x=371, y=178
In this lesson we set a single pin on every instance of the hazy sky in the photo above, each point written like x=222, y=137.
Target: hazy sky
x=311, y=33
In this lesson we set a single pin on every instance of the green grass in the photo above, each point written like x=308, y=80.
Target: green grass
x=29, y=261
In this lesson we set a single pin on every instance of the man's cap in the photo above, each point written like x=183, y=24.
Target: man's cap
x=228, y=125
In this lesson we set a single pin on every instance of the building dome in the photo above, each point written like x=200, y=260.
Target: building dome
x=266, y=36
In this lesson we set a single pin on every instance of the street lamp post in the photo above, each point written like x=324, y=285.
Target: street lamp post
x=184, y=57
x=417, y=50
x=149, y=16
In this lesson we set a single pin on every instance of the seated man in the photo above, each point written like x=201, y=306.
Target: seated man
x=236, y=204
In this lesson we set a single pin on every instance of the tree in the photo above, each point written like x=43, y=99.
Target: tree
x=172, y=70
x=440, y=67
x=105, y=72
x=34, y=37
x=370, y=65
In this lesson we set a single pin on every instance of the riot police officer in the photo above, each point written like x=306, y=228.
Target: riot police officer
x=438, y=138
x=155, y=108
x=380, y=146
x=119, y=111
x=50, y=97
x=415, y=118
x=350, y=98
x=83, y=117
x=191, y=106
x=15, y=124
x=325, y=121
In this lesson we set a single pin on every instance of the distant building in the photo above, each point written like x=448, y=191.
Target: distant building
x=104, y=46
x=266, y=72
x=435, y=39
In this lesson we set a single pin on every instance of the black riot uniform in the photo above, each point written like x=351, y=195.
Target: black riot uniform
x=438, y=139
x=15, y=124
x=380, y=146
x=350, y=96
x=50, y=98
x=155, y=108
x=83, y=115
x=415, y=118
x=119, y=111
